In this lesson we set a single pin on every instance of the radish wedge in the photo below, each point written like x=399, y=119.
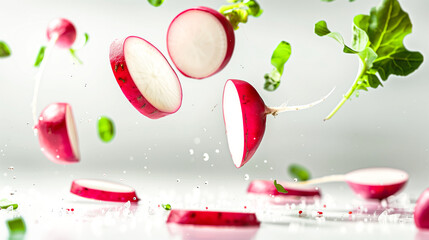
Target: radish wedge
x=244, y=114
x=62, y=29
x=268, y=188
x=103, y=190
x=212, y=218
x=200, y=42
x=145, y=77
x=57, y=134
x=421, y=211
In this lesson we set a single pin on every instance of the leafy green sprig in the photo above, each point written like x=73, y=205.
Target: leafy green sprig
x=156, y=3
x=238, y=11
x=280, y=56
x=4, y=49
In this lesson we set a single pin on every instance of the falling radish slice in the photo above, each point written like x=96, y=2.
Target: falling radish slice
x=421, y=211
x=268, y=188
x=57, y=134
x=369, y=183
x=62, y=29
x=145, y=77
x=244, y=114
x=212, y=218
x=200, y=42
x=103, y=190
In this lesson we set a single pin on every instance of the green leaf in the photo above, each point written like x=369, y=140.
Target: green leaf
x=74, y=56
x=279, y=187
x=4, y=49
x=106, y=129
x=40, y=56
x=156, y=3
x=167, y=207
x=238, y=11
x=86, y=39
x=278, y=59
x=16, y=226
x=321, y=29
x=4, y=204
x=254, y=8
x=299, y=172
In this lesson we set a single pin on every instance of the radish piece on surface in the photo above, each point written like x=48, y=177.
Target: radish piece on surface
x=268, y=188
x=244, y=114
x=212, y=218
x=200, y=42
x=145, y=77
x=103, y=190
x=57, y=134
x=195, y=232
x=64, y=30
x=421, y=211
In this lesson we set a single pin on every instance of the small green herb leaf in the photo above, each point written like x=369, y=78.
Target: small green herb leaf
x=238, y=11
x=280, y=56
x=16, y=226
x=299, y=172
x=74, y=56
x=4, y=49
x=106, y=129
x=86, y=39
x=156, y=3
x=4, y=204
x=166, y=207
x=279, y=187
x=40, y=56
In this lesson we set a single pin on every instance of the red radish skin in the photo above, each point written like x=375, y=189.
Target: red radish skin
x=128, y=85
x=81, y=188
x=57, y=134
x=268, y=188
x=212, y=218
x=421, y=211
x=229, y=35
x=64, y=30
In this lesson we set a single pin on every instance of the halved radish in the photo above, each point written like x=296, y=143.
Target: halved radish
x=145, y=77
x=103, y=190
x=421, y=211
x=244, y=114
x=200, y=42
x=63, y=31
x=212, y=218
x=57, y=134
x=267, y=187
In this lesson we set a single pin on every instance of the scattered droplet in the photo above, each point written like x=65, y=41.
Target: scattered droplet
x=295, y=179
x=197, y=140
x=177, y=180
x=58, y=156
x=206, y=157
x=124, y=172
x=217, y=151
x=246, y=176
x=10, y=168
x=205, y=129
x=191, y=151
x=265, y=161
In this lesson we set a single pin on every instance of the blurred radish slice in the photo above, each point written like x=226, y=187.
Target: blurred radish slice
x=244, y=114
x=103, y=190
x=145, y=77
x=212, y=218
x=268, y=188
x=421, y=211
x=200, y=42
x=64, y=30
x=57, y=134
x=192, y=232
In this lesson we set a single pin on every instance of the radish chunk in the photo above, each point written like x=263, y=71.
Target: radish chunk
x=268, y=188
x=421, y=211
x=211, y=218
x=145, y=77
x=200, y=42
x=62, y=29
x=103, y=190
x=57, y=134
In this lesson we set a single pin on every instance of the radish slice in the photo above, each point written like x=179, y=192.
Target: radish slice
x=64, y=30
x=103, y=190
x=57, y=134
x=267, y=187
x=200, y=42
x=244, y=114
x=421, y=211
x=212, y=218
x=192, y=232
x=145, y=77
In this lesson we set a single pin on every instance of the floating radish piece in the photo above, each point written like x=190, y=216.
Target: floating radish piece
x=268, y=188
x=62, y=29
x=57, y=134
x=421, y=211
x=145, y=77
x=200, y=42
x=212, y=218
x=244, y=114
x=103, y=190
x=369, y=183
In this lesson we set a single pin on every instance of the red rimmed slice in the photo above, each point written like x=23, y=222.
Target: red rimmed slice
x=103, y=190
x=212, y=218
x=268, y=188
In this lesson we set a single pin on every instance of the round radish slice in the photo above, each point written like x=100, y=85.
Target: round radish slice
x=212, y=218
x=376, y=183
x=103, y=190
x=200, y=42
x=421, y=211
x=57, y=134
x=145, y=77
x=267, y=187
x=64, y=30
x=192, y=232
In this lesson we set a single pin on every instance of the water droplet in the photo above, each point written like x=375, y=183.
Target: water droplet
x=177, y=180
x=217, y=151
x=205, y=129
x=42, y=149
x=145, y=167
x=198, y=187
x=14, y=177
x=191, y=151
x=58, y=156
x=206, y=182
x=131, y=158
x=295, y=179
x=271, y=168
x=211, y=165
x=134, y=198
x=40, y=118
x=256, y=165
x=206, y=157
x=265, y=161
x=246, y=176
x=10, y=168
x=124, y=172
x=197, y=140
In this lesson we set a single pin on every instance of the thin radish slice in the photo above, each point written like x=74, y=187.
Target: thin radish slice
x=212, y=218
x=145, y=77
x=103, y=190
x=421, y=211
x=62, y=29
x=244, y=114
x=268, y=188
x=57, y=134
x=200, y=42
x=192, y=232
